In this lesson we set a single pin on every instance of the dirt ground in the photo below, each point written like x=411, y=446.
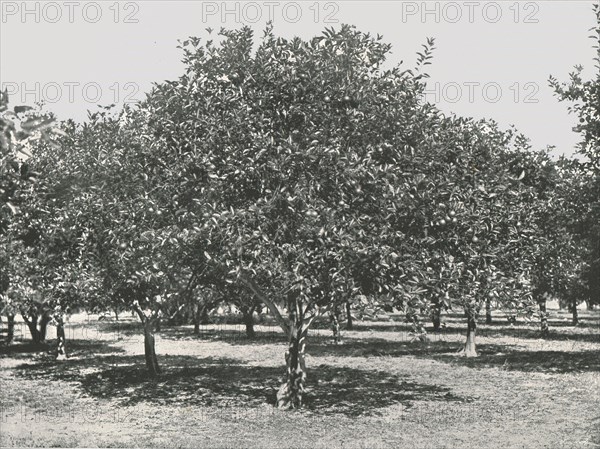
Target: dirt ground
x=377, y=389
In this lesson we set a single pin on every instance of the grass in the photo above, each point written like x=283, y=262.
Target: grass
x=377, y=389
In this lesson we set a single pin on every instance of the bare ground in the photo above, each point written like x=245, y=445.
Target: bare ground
x=377, y=389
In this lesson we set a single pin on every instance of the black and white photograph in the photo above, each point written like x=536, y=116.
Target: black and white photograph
x=300, y=224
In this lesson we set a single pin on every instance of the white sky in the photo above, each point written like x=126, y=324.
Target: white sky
x=493, y=59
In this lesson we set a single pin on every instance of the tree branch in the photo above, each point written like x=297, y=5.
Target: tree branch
x=177, y=311
x=270, y=304
x=307, y=324
x=140, y=312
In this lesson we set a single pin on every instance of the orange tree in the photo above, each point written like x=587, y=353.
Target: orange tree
x=585, y=98
x=469, y=218
x=557, y=247
x=20, y=130
x=132, y=232
x=321, y=176
x=46, y=272
x=294, y=148
x=95, y=234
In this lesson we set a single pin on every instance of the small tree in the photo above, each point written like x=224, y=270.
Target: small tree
x=468, y=215
x=20, y=129
x=585, y=96
x=120, y=240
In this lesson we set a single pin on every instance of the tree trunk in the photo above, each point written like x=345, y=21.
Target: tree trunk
x=33, y=330
x=436, y=318
x=149, y=348
x=31, y=320
x=574, y=310
x=290, y=393
x=543, y=315
x=335, y=325
x=349, y=323
x=44, y=320
x=116, y=315
x=10, y=326
x=196, y=318
x=247, y=313
x=204, y=318
x=158, y=325
x=61, y=349
x=488, y=311
x=470, y=348
x=196, y=313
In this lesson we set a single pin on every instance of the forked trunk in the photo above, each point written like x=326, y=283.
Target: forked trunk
x=61, y=349
x=149, y=349
x=543, y=315
x=37, y=325
x=290, y=393
x=349, y=323
x=33, y=330
x=470, y=348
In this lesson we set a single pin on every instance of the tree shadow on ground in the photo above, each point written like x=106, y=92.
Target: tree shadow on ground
x=227, y=335
x=533, y=333
x=75, y=348
x=83, y=355
x=376, y=347
x=593, y=323
x=379, y=326
x=587, y=333
x=356, y=392
x=508, y=357
x=456, y=325
x=23, y=349
x=558, y=362
x=225, y=383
